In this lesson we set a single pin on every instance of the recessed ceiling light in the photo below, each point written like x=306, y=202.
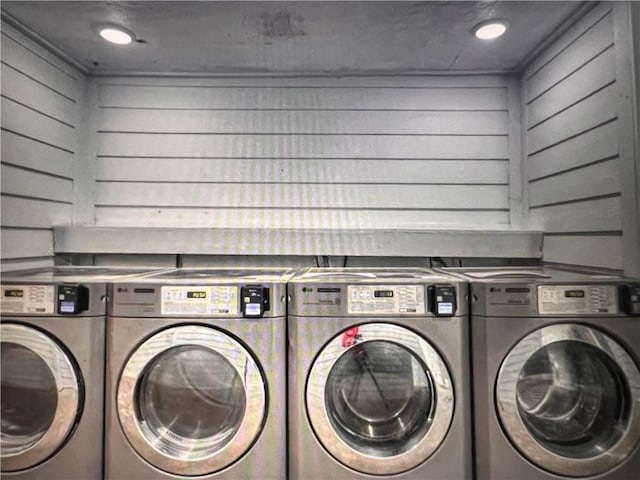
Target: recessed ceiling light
x=114, y=34
x=490, y=29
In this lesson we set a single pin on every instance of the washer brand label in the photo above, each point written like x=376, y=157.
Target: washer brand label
x=577, y=299
x=199, y=300
x=27, y=299
x=386, y=299
x=509, y=296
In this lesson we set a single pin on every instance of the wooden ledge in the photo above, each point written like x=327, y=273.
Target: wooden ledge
x=352, y=242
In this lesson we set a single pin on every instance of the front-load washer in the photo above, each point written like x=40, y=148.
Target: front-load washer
x=378, y=375
x=556, y=374
x=196, y=376
x=52, y=335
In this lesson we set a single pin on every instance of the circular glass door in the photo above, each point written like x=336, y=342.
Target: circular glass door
x=39, y=399
x=568, y=397
x=380, y=399
x=191, y=400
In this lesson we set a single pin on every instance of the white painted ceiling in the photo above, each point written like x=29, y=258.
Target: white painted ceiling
x=294, y=37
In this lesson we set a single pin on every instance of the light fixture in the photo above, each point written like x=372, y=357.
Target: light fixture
x=490, y=29
x=115, y=34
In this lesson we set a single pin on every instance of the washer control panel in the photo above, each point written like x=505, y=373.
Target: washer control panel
x=577, y=299
x=199, y=300
x=386, y=299
x=27, y=299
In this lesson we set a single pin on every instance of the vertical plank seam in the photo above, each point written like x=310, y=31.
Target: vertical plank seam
x=628, y=137
x=84, y=165
x=516, y=218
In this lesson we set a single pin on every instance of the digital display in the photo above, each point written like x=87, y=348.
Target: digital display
x=14, y=293
x=143, y=290
x=383, y=293
x=574, y=293
x=196, y=294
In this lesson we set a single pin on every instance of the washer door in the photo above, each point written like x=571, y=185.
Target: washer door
x=380, y=399
x=568, y=397
x=41, y=396
x=191, y=400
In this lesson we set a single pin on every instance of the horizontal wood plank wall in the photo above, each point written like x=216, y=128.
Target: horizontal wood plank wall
x=572, y=162
x=317, y=152
x=40, y=107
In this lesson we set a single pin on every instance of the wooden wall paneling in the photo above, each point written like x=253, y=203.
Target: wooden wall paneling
x=587, y=38
x=601, y=214
x=596, y=74
x=303, y=170
x=31, y=263
x=33, y=124
x=356, y=82
x=34, y=61
x=226, y=95
x=26, y=243
x=31, y=212
x=38, y=96
x=591, y=112
x=301, y=122
x=39, y=116
x=591, y=250
x=33, y=154
x=595, y=145
x=595, y=180
x=304, y=196
x=26, y=183
x=572, y=161
x=38, y=47
x=304, y=152
x=307, y=146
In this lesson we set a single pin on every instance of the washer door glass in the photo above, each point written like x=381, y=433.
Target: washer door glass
x=191, y=400
x=191, y=393
x=572, y=398
x=380, y=398
x=39, y=390
x=29, y=398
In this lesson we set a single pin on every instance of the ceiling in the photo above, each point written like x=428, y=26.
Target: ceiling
x=294, y=37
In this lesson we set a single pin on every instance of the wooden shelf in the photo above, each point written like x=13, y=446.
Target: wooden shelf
x=354, y=242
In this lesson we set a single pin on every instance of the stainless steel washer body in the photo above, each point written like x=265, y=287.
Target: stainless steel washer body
x=378, y=385
x=195, y=389
x=556, y=375
x=53, y=374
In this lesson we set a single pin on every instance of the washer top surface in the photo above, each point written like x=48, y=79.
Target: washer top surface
x=527, y=274
x=66, y=274
x=222, y=275
x=371, y=275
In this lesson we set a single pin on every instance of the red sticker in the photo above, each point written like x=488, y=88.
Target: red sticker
x=349, y=337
